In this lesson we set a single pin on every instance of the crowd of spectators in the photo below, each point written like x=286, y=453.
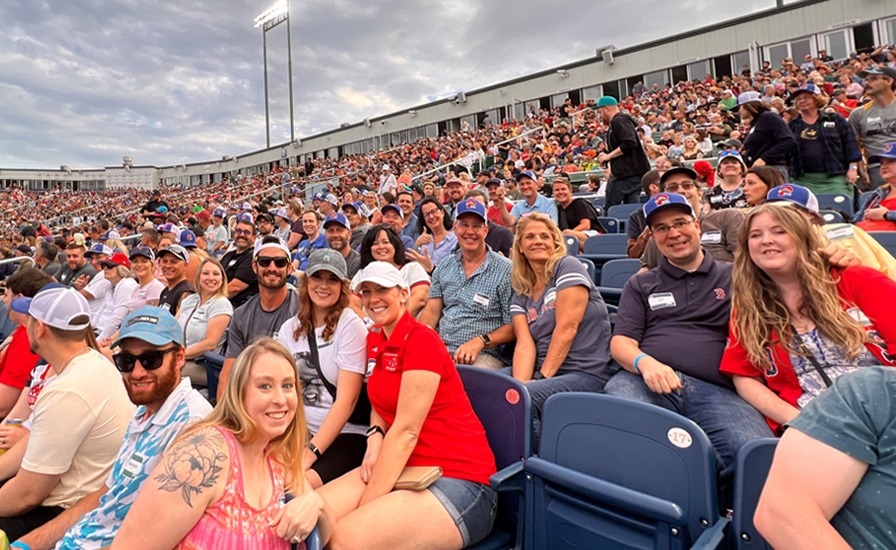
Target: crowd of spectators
x=446, y=251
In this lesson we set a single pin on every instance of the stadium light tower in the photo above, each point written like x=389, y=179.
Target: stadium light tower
x=268, y=19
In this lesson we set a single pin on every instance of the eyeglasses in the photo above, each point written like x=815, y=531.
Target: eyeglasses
x=464, y=225
x=150, y=360
x=242, y=231
x=265, y=261
x=663, y=229
x=684, y=186
x=431, y=213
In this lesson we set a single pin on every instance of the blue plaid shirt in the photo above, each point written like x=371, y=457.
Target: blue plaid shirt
x=475, y=305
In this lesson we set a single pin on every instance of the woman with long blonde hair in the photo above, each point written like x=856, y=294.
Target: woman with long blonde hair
x=560, y=321
x=796, y=323
x=221, y=484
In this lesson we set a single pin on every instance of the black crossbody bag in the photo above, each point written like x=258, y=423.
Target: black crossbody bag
x=811, y=357
x=361, y=414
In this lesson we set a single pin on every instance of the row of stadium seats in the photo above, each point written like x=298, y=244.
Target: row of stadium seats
x=608, y=473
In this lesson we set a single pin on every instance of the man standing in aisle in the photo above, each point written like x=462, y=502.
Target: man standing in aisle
x=628, y=162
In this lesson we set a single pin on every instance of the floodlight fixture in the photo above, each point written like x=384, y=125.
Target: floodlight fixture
x=277, y=13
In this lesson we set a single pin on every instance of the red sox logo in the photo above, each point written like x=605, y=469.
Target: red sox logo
x=889, y=149
x=785, y=191
x=720, y=293
x=661, y=199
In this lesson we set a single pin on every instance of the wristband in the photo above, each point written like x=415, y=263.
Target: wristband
x=313, y=448
x=638, y=358
x=21, y=545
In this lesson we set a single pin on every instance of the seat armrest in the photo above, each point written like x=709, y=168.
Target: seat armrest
x=712, y=538
x=509, y=479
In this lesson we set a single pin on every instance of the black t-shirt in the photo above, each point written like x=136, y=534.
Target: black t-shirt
x=499, y=238
x=297, y=228
x=154, y=205
x=239, y=266
x=170, y=298
x=623, y=134
x=572, y=215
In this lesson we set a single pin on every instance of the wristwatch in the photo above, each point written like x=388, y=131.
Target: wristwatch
x=538, y=375
x=375, y=429
x=485, y=339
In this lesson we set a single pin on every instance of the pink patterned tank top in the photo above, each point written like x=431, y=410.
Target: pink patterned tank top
x=234, y=524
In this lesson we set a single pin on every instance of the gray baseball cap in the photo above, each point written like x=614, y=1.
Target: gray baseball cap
x=326, y=259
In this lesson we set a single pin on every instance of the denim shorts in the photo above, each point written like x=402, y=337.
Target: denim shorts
x=472, y=506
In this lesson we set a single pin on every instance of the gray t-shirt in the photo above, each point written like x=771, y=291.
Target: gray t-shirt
x=194, y=318
x=590, y=350
x=68, y=277
x=874, y=126
x=352, y=263
x=250, y=321
x=856, y=416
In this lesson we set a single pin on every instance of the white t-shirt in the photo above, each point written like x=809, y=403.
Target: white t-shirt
x=347, y=351
x=194, y=318
x=148, y=292
x=115, y=308
x=99, y=288
x=78, y=424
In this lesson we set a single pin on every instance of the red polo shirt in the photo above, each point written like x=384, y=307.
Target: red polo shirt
x=16, y=360
x=452, y=436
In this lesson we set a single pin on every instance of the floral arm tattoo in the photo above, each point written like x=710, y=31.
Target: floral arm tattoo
x=193, y=465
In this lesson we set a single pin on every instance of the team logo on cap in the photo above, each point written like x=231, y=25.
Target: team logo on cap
x=785, y=191
x=471, y=203
x=889, y=148
x=332, y=216
x=661, y=199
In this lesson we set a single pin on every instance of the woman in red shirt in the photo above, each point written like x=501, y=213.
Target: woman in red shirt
x=796, y=323
x=421, y=417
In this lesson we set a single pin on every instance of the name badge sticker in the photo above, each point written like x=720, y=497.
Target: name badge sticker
x=391, y=361
x=711, y=237
x=661, y=300
x=481, y=300
x=840, y=233
x=133, y=466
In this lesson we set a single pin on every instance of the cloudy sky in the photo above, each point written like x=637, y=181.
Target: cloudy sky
x=84, y=82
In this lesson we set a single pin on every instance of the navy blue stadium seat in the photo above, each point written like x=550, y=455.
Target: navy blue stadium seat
x=589, y=266
x=612, y=225
x=832, y=216
x=753, y=463
x=613, y=473
x=621, y=212
x=836, y=201
x=598, y=202
x=504, y=407
x=572, y=245
x=613, y=276
x=313, y=542
x=602, y=248
x=214, y=362
x=887, y=239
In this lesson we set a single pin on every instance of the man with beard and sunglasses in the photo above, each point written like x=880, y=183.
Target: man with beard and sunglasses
x=264, y=314
x=150, y=360
x=78, y=422
x=242, y=282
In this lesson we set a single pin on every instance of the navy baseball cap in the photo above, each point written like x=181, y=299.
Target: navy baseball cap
x=144, y=251
x=889, y=152
x=392, y=207
x=153, y=325
x=218, y=212
x=187, y=239
x=337, y=217
x=98, y=248
x=880, y=71
x=471, y=206
x=808, y=88
x=665, y=201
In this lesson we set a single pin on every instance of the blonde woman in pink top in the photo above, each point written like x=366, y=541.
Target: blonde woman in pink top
x=221, y=484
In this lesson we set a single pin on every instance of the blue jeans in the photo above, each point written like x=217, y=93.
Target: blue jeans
x=728, y=420
x=540, y=390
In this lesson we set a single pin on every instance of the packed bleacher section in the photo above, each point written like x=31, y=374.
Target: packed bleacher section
x=721, y=249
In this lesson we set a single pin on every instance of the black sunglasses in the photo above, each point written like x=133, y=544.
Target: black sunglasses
x=265, y=261
x=150, y=360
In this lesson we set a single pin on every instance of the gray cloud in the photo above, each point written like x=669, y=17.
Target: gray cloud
x=84, y=82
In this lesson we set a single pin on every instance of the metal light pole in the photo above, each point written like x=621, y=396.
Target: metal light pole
x=267, y=20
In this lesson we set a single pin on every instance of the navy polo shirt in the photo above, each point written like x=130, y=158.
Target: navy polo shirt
x=680, y=318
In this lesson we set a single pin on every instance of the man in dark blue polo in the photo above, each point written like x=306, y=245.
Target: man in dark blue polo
x=671, y=332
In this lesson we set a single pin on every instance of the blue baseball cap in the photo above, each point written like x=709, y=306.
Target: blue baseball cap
x=245, y=217
x=808, y=88
x=144, y=251
x=889, y=152
x=471, y=206
x=526, y=174
x=392, y=207
x=796, y=194
x=168, y=228
x=187, y=239
x=153, y=325
x=162, y=210
x=98, y=248
x=338, y=217
x=665, y=201
x=111, y=234
x=218, y=212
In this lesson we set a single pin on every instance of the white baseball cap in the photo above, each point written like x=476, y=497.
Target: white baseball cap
x=59, y=307
x=382, y=273
x=261, y=245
